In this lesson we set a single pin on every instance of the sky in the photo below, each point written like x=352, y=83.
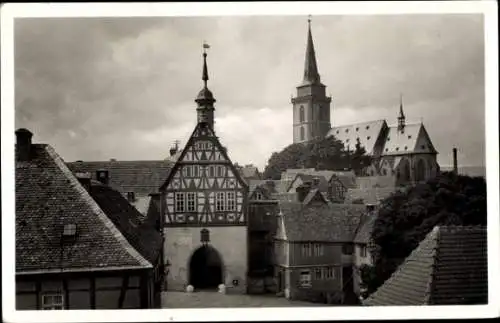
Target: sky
x=124, y=88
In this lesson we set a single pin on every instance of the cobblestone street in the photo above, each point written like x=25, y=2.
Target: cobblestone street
x=214, y=299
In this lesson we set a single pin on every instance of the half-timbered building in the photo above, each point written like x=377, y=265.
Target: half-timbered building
x=205, y=210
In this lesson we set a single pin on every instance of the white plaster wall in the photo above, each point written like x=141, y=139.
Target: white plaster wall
x=230, y=242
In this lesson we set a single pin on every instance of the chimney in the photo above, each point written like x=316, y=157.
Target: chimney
x=23, y=144
x=303, y=190
x=84, y=179
x=455, y=162
x=103, y=176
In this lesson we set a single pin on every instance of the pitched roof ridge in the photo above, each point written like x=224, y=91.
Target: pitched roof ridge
x=75, y=184
x=359, y=123
x=435, y=257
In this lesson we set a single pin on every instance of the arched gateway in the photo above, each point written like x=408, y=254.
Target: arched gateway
x=206, y=268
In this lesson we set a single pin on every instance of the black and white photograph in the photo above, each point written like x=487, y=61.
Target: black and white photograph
x=274, y=158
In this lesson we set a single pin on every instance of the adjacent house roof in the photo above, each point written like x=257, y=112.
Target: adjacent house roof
x=364, y=182
x=142, y=177
x=449, y=267
x=48, y=197
x=249, y=172
x=363, y=235
x=367, y=132
x=327, y=223
x=368, y=195
x=141, y=235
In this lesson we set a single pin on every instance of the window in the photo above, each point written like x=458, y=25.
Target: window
x=231, y=201
x=258, y=196
x=301, y=114
x=409, y=136
x=196, y=171
x=305, y=278
x=328, y=273
x=368, y=138
x=318, y=249
x=317, y=273
x=130, y=196
x=186, y=171
x=179, y=202
x=388, y=138
x=211, y=171
x=302, y=133
x=406, y=147
x=357, y=128
x=397, y=148
x=204, y=235
x=219, y=201
x=220, y=171
x=362, y=251
x=422, y=146
x=347, y=249
x=367, y=127
x=53, y=301
x=69, y=230
x=337, y=132
x=306, y=250
x=384, y=171
x=347, y=130
x=191, y=202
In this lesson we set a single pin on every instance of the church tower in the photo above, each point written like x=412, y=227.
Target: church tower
x=205, y=98
x=311, y=106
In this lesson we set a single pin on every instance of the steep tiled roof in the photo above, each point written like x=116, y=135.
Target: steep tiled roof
x=363, y=235
x=367, y=132
x=368, y=195
x=449, y=267
x=249, y=172
x=48, y=196
x=330, y=222
x=141, y=235
x=397, y=142
x=348, y=179
x=142, y=177
x=364, y=182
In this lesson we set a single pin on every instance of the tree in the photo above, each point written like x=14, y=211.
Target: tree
x=321, y=154
x=360, y=160
x=407, y=216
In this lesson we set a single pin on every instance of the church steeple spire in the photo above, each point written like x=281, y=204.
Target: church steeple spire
x=401, y=117
x=311, y=74
x=205, y=98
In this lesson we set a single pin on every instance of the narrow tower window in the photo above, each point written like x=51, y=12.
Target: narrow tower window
x=302, y=134
x=301, y=114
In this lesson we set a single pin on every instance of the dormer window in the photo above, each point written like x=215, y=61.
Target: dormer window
x=131, y=196
x=69, y=232
x=258, y=196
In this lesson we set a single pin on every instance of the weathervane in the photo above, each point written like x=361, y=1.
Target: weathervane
x=205, y=47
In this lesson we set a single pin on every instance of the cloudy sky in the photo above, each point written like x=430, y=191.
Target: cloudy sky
x=124, y=88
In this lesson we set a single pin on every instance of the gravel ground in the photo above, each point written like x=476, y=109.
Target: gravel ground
x=214, y=299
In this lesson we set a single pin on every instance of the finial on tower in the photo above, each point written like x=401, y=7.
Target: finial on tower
x=309, y=20
x=205, y=69
x=401, y=117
